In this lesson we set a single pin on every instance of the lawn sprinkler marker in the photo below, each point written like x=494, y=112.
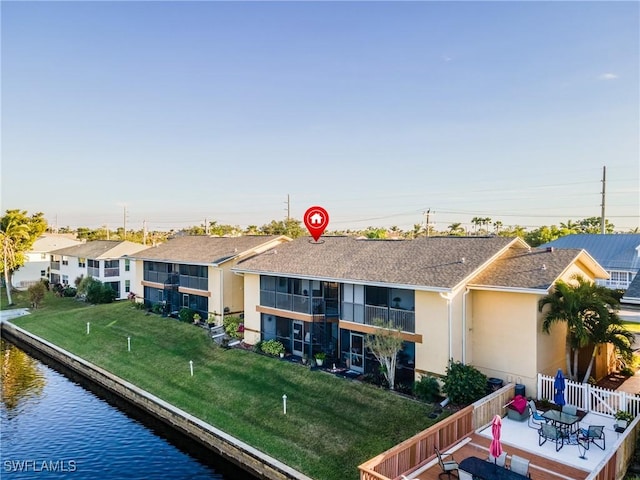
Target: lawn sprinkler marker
x=284, y=403
x=191, y=366
x=128, y=344
x=88, y=327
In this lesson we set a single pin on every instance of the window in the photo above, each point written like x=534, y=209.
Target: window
x=65, y=279
x=65, y=260
x=127, y=265
x=43, y=273
x=127, y=286
x=82, y=262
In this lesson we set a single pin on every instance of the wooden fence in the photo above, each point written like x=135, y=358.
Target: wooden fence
x=420, y=449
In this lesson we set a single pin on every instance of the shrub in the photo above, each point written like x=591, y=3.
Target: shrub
x=98, y=292
x=69, y=292
x=427, y=389
x=36, y=293
x=233, y=327
x=272, y=347
x=186, y=315
x=464, y=384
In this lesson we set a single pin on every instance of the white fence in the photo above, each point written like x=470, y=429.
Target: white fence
x=589, y=397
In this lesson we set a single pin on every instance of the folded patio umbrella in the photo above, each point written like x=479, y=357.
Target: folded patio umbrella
x=558, y=389
x=495, y=449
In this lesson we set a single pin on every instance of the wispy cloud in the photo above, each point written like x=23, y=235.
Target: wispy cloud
x=607, y=76
x=446, y=58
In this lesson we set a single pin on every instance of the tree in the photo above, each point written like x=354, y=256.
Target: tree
x=18, y=231
x=607, y=328
x=385, y=344
x=291, y=228
x=456, y=229
x=577, y=304
x=36, y=293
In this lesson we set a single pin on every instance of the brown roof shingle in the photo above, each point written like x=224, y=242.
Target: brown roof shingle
x=203, y=249
x=431, y=263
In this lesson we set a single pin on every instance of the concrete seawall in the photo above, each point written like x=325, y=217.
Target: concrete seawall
x=246, y=457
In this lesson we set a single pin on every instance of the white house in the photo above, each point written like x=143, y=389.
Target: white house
x=37, y=260
x=101, y=259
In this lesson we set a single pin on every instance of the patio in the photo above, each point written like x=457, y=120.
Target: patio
x=546, y=464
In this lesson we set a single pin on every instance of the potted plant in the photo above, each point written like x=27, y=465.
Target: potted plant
x=320, y=356
x=623, y=418
x=305, y=359
x=273, y=347
x=196, y=318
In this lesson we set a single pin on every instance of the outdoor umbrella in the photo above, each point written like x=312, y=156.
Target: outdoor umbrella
x=495, y=449
x=558, y=389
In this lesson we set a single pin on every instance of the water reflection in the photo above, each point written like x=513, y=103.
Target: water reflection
x=51, y=425
x=22, y=378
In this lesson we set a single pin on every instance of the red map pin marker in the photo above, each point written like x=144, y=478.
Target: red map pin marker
x=316, y=220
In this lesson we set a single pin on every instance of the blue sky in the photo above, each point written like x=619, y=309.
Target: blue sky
x=377, y=111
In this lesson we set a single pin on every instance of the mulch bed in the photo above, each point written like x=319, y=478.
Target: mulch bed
x=612, y=381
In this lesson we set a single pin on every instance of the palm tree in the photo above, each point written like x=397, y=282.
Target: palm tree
x=581, y=305
x=11, y=235
x=456, y=229
x=607, y=327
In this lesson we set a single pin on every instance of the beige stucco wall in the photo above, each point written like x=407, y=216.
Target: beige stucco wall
x=504, y=336
x=215, y=303
x=251, y=316
x=432, y=355
x=233, y=289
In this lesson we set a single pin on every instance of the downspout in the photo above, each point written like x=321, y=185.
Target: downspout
x=221, y=296
x=447, y=297
x=464, y=325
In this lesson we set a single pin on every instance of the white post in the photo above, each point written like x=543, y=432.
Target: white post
x=191, y=366
x=88, y=327
x=284, y=403
x=128, y=344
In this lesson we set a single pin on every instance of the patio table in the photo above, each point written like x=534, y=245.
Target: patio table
x=564, y=420
x=484, y=470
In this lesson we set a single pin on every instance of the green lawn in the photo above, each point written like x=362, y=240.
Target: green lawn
x=331, y=426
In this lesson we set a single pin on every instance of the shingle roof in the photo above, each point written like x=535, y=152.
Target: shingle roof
x=530, y=269
x=203, y=249
x=632, y=294
x=101, y=249
x=430, y=263
x=612, y=251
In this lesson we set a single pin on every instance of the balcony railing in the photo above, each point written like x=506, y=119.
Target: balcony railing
x=405, y=320
x=293, y=303
x=197, y=283
x=156, y=277
x=112, y=272
x=55, y=265
x=93, y=272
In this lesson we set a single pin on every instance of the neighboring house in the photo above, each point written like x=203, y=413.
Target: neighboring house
x=195, y=272
x=619, y=254
x=470, y=299
x=103, y=260
x=632, y=295
x=37, y=260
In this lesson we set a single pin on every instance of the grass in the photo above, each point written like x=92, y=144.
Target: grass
x=331, y=426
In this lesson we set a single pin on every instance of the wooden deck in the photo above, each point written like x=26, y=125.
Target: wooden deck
x=541, y=468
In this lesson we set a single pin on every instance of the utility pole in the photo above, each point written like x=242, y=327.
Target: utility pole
x=602, y=218
x=124, y=216
x=288, y=202
x=426, y=214
x=144, y=232
x=206, y=227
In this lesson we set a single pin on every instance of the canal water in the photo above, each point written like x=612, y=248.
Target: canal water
x=52, y=427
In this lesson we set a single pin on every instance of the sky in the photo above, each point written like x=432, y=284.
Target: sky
x=173, y=113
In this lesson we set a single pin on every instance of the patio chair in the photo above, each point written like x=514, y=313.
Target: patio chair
x=464, y=475
x=520, y=465
x=570, y=409
x=500, y=461
x=447, y=466
x=593, y=434
x=535, y=417
x=551, y=432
